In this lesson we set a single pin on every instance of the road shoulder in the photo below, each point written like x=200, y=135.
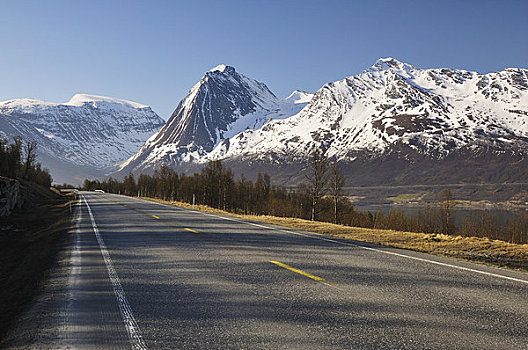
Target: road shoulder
x=39, y=326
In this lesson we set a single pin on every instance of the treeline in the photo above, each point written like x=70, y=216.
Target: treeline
x=318, y=198
x=18, y=161
x=216, y=186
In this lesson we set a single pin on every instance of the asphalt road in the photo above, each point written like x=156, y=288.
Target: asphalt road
x=150, y=276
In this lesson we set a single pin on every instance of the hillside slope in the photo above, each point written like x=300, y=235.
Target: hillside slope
x=86, y=136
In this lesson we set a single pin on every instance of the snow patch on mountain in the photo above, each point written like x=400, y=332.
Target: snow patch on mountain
x=220, y=68
x=80, y=99
x=299, y=97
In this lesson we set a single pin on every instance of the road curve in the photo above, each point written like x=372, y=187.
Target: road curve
x=150, y=276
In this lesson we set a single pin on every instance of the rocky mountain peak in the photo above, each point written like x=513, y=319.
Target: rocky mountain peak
x=221, y=105
x=222, y=68
x=391, y=64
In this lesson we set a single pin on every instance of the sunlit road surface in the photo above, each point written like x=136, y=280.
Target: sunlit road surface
x=151, y=276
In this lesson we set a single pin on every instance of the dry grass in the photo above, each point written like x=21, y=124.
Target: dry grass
x=475, y=249
x=29, y=239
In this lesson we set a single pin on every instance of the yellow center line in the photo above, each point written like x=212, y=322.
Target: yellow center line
x=136, y=209
x=301, y=272
x=191, y=230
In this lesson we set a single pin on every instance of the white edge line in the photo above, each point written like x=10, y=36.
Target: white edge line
x=75, y=267
x=131, y=324
x=318, y=236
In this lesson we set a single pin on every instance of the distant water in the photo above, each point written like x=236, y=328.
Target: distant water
x=460, y=214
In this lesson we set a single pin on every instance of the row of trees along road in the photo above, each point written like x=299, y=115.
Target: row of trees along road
x=18, y=161
x=320, y=198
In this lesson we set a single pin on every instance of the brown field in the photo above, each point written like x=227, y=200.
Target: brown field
x=475, y=249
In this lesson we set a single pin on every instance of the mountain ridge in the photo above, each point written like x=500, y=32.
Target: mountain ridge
x=84, y=137
x=390, y=112
x=402, y=110
x=391, y=109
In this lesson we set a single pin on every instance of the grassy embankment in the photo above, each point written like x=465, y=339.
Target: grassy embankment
x=475, y=249
x=29, y=241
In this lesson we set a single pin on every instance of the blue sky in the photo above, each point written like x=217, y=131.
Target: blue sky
x=152, y=52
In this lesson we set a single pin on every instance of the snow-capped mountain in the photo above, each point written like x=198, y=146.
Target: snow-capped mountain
x=221, y=105
x=433, y=111
x=86, y=136
x=392, y=121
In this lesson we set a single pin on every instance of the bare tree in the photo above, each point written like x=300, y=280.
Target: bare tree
x=13, y=153
x=31, y=149
x=317, y=178
x=335, y=186
x=447, y=204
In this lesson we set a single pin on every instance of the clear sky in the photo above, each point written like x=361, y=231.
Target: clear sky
x=153, y=52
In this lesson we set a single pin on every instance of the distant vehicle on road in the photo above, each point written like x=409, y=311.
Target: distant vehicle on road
x=100, y=191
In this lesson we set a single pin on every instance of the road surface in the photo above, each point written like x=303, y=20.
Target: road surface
x=150, y=276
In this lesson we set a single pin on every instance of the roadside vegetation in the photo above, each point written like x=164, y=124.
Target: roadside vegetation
x=30, y=237
x=18, y=161
x=319, y=198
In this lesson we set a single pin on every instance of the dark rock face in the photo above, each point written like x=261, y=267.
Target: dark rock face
x=10, y=196
x=216, y=102
x=401, y=165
